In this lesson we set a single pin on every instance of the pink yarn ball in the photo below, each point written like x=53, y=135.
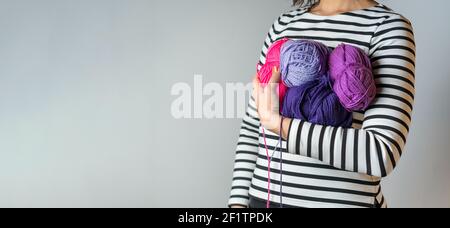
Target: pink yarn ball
x=273, y=60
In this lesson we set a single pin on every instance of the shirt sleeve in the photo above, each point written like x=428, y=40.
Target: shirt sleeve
x=248, y=142
x=375, y=149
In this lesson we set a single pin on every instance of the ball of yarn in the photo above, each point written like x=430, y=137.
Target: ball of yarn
x=302, y=61
x=316, y=103
x=272, y=60
x=351, y=73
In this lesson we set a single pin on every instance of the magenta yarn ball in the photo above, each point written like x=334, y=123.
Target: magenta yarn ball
x=352, y=77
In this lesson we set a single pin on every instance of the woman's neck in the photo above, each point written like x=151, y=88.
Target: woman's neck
x=332, y=7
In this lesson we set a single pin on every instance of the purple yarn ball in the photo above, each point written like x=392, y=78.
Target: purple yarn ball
x=352, y=77
x=302, y=61
x=316, y=103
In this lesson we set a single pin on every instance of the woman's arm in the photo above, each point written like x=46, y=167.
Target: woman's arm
x=246, y=155
x=248, y=143
x=376, y=148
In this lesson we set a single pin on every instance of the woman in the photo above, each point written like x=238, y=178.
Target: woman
x=322, y=166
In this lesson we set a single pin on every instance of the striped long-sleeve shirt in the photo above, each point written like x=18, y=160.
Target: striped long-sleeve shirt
x=326, y=166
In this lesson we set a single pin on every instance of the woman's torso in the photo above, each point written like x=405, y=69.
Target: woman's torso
x=307, y=182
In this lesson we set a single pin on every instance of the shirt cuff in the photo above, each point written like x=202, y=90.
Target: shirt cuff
x=294, y=139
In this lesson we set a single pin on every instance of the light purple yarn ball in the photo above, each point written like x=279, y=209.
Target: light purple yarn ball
x=302, y=61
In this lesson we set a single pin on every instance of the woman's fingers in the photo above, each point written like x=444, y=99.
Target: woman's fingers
x=265, y=96
x=255, y=82
x=276, y=76
x=255, y=88
x=264, y=101
x=275, y=79
x=267, y=101
x=274, y=85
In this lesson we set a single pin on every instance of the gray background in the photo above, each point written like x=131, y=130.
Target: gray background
x=85, y=101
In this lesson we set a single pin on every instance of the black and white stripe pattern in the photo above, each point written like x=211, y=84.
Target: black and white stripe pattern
x=328, y=166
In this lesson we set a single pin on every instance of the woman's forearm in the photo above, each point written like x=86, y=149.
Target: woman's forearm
x=284, y=125
x=376, y=148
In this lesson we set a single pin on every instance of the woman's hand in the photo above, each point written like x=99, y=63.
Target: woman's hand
x=267, y=101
